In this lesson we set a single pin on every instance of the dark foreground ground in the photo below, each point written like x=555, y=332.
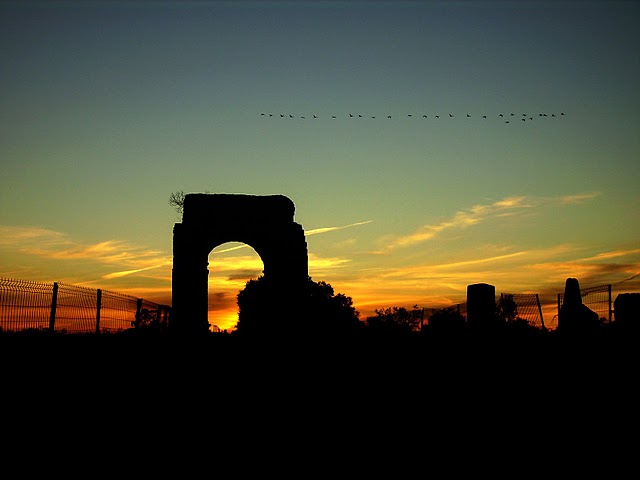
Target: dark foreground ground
x=511, y=405
x=504, y=356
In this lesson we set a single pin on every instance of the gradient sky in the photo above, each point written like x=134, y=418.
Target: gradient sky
x=108, y=107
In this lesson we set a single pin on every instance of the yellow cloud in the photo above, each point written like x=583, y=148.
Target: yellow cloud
x=231, y=263
x=14, y=236
x=124, y=273
x=229, y=249
x=579, y=198
x=509, y=202
x=479, y=213
x=316, y=231
x=50, y=244
x=613, y=254
x=325, y=263
x=482, y=260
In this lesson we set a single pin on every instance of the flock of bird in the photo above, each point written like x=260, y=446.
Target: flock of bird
x=507, y=117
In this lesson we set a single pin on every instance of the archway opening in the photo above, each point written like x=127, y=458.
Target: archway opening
x=231, y=266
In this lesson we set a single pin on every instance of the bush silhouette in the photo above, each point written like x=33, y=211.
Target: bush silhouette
x=265, y=309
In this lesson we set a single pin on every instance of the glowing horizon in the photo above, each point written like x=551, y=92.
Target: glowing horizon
x=366, y=276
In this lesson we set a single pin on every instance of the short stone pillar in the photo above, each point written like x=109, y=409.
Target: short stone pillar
x=481, y=304
x=573, y=315
x=626, y=309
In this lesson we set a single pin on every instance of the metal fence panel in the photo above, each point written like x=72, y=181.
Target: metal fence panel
x=69, y=308
x=528, y=308
x=76, y=309
x=596, y=298
x=24, y=304
x=118, y=311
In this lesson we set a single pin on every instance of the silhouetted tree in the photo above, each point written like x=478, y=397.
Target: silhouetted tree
x=147, y=320
x=446, y=320
x=264, y=309
x=506, y=308
x=176, y=200
x=328, y=312
x=396, y=320
x=257, y=307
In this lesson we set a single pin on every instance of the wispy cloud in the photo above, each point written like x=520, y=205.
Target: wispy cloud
x=124, y=273
x=322, y=265
x=612, y=254
x=229, y=249
x=55, y=245
x=480, y=261
x=11, y=236
x=579, y=198
x=313, y=231
x=482, y=212
x=316, y=231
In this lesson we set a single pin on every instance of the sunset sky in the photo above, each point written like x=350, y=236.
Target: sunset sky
x=106, y=108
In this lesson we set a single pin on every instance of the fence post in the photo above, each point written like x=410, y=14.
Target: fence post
x=98, y=307
x=54, y=306
x=610, y=306
x=540, y=310
x=138, y=313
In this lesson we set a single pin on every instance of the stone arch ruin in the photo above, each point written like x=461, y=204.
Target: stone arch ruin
x=263, y=222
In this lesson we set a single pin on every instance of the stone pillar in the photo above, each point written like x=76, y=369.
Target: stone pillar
x=626, y=308
x=190, y=282
x=481, y=304
x=573, y=315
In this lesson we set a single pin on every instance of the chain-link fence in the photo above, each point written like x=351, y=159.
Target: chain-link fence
x=597, y=298
x=26, y=305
